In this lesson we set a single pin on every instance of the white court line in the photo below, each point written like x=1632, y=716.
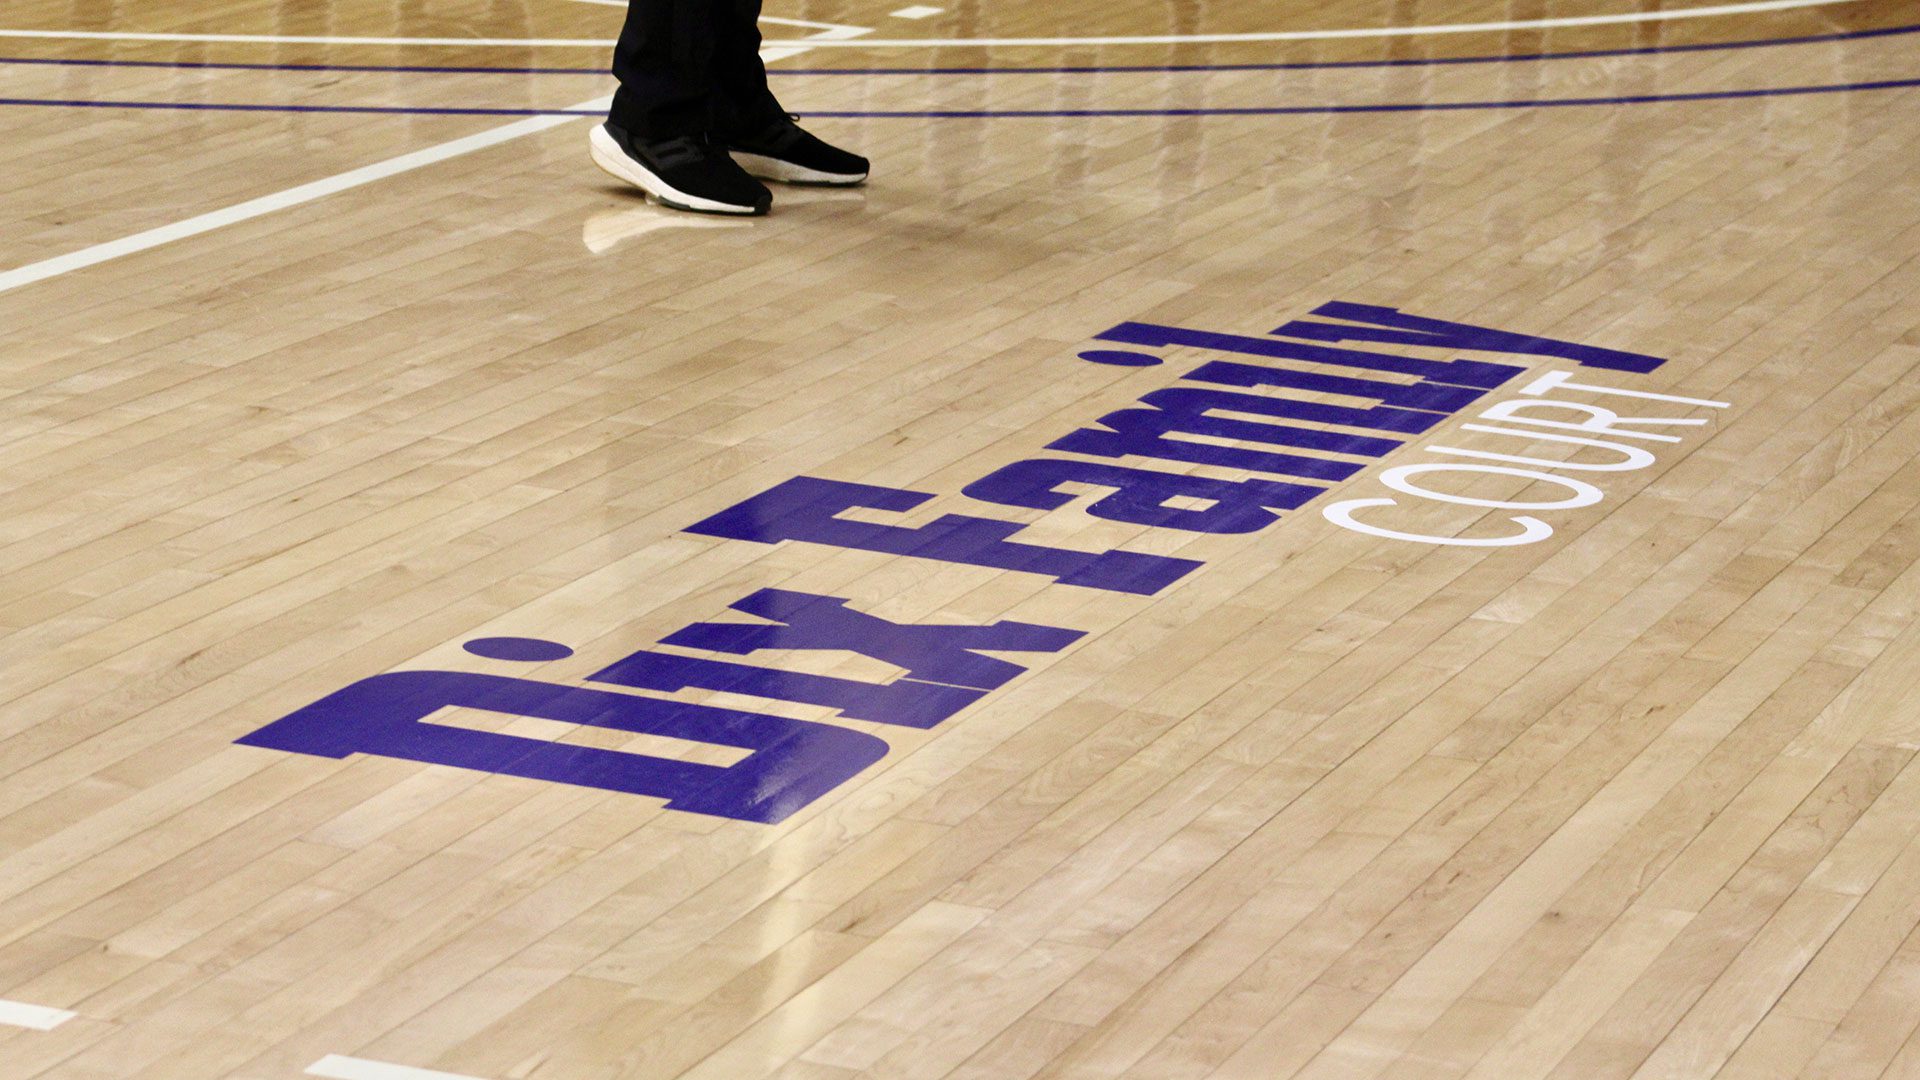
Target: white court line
x=332, y=185
x=774, y=19
x=1749, y=8
x=838, y=33
x=917, y=11
x=37, y=1017
x=287, y=39
x=336, y=1067
x=281, y=200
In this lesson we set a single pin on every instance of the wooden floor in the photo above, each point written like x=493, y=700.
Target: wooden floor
x=1336, y=796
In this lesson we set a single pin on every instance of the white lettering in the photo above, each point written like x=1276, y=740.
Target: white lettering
x=1599, y=421
x=1341, y=513
x=1584, y=494
x=1553, y=379
x=1593, y=423
x=1634, y=457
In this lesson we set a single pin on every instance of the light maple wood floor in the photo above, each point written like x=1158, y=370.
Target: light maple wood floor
x=1639, y=800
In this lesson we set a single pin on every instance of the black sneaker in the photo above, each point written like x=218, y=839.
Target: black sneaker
x=687, y=173
x=783, y=151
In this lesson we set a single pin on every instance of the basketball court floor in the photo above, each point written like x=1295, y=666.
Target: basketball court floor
x=1272, y=540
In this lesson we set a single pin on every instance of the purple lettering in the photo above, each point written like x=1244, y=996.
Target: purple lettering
x=1391, y=326
x=793, y=762
x=807, y=508
x=1140, y=495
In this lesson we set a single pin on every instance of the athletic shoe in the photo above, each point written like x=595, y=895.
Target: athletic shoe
x=687, y=173
x=783, y=151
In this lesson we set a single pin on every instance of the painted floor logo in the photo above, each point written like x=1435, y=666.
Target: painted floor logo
x=789, y=763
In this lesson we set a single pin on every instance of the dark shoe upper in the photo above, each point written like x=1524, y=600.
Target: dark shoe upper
x=784, y=140
x=696, y=165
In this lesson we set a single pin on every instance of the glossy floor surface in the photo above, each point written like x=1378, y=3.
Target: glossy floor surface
x=1531, y=691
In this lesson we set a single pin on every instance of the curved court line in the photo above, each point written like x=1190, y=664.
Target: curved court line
x=1626, y=17
x=1325, y=65
x=1434, y=61
x=1564, y=22
x=1003, y=114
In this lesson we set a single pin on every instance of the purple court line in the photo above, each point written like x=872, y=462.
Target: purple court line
x=995, y=114
x=1852, y=35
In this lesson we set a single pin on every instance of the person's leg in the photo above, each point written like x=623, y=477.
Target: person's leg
x=741, y=99
x=663, y=62
x=659, y=133
x=747, y=116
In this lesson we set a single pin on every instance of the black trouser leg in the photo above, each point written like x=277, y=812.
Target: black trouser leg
x=742, y=101
x=690, y=66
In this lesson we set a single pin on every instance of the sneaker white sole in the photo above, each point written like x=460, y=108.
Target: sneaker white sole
x=787, y=172
x=615, y=163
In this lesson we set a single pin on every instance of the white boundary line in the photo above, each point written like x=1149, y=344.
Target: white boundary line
x=281, y=200
x=38, y=1017
x=332, y=185
x=1749, y=8
x=283, y=39
x=774, y=19
x=336, y=1067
